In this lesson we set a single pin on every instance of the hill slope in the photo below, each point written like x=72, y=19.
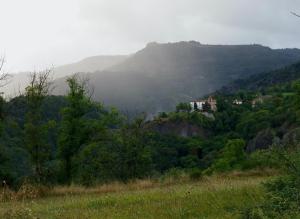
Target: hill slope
x=96, y=63
x=91, y=64
x=159, y=76
x=260, y=81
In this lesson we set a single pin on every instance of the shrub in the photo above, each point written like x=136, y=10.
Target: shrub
x=31, y=191
x=189, y=161
x=6, y=195
x=195, y=174
x=283, y=193
x=254, y=213
x=262, y=159
x=18, y=213
x=173, y=174
x=233, y=156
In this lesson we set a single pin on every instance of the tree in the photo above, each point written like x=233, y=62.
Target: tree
x=296, y=88
x=183, y=107
x=35, y=128
x=73, y=132
x=135, y=156
x=232, y=157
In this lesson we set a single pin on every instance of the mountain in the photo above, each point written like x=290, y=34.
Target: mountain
x=91, y=64
x=261, y=81
x=96, y=63
x=160, y=76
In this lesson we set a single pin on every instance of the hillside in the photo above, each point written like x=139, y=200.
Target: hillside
x=91, y=64
x=261, y=81
x=159, y=76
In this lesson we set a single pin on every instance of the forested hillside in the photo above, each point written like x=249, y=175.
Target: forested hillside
x=62, y=140
x=160, y=76
x=260, y=82
x=88, y=142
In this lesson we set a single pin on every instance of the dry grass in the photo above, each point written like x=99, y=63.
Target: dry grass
x=25, y=192
x=218, y=196
x=102, y=189
x=28, y=191
x=144, y=184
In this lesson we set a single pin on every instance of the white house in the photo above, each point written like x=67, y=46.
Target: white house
x=237, y=102
x=197, y=105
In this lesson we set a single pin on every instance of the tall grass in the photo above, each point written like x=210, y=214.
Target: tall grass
x=210, y=197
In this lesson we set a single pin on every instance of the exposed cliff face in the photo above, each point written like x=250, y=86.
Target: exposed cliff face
x=263, y=140
x=292, y=138
x=182, y=128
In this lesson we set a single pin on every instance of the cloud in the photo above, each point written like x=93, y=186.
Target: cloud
x=39, y=33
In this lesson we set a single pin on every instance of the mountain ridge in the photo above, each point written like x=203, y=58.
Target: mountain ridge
x=19, y=81
x=159, y=76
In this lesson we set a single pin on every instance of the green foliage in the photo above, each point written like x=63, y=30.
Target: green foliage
x=97, y=163
x=73, y=139
x=283, y=192
x=190, y=161
x=35, y=129
x=5, y=169
x=135, y=154
x=233, y=156
x=262, y=159
x=195, y=117
x=73, y=131
x=183, y=107
x=252, y=123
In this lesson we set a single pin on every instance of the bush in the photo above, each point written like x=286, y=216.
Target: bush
x=254, y=213
x=233, y=156
x=18, y=213
x=173, y=174
x=189, y=161
x=283, y=192
x=31, y=191
x=262, y=159
x=195, y=174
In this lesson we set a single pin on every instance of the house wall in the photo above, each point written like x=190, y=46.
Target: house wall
x=199, y=105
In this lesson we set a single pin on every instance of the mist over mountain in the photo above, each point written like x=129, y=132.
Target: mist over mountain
x=90, y=64
x=160, y=76
x=18, y=82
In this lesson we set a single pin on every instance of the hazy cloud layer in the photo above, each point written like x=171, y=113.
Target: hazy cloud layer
x=41, y=33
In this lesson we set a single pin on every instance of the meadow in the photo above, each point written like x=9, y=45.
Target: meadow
x=222, y=196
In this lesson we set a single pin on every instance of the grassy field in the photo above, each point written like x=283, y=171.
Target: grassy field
x=212, y=197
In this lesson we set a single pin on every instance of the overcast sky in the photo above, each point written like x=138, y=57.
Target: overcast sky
x=44, y=33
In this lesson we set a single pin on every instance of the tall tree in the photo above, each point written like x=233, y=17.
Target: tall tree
x=72, y=133
x=35, y=128
x=135, y=156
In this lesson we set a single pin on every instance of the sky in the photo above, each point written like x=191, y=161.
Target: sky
x=37, y=34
